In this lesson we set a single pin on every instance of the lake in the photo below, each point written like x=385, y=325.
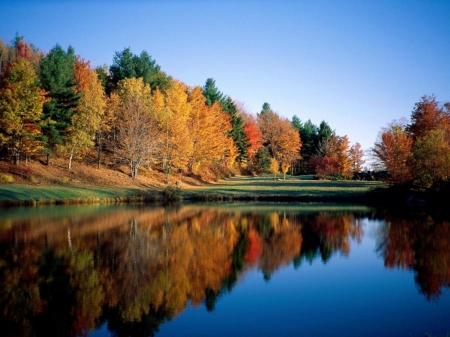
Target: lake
x=237, y=269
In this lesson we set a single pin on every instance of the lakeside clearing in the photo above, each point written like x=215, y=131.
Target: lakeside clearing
x=266, y=187
x=262, y=188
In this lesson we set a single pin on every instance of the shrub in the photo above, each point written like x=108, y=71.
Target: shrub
x=172, y=194
x=6, y=178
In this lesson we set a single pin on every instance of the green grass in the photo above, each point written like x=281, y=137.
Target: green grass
x=31, y=195
x=263, y=188
x=293, y=188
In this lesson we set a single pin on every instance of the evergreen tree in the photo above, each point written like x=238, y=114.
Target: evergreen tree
x=265, y=108
x=58, y=80
x=127, y=65
x=211, y=93
x=237, y=129
x=310, y=141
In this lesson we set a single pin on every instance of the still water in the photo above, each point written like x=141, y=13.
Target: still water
x=223, y=270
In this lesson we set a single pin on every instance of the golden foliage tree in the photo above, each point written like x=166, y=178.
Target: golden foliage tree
x=21, y=102
x=431, y=158
x=172, y=113
x=87, y=119
x=280, y=137
x=208, y=128
x=137, y=128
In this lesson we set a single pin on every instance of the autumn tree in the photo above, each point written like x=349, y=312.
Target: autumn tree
x=208, y=128
x=428, y=115
x=392, y=151
x=356, y=158
x=333, y=158
x=254, y=136
x=172, y=112
x=21, y=104
x=88, y=114
x=58, y=80
x=431, y=159
x=237, y=133
x=136, y=123
x=280, y=137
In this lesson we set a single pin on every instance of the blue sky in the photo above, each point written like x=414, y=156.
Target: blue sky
x=355, y=64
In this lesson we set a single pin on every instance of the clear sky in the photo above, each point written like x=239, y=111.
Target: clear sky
x=355, y=64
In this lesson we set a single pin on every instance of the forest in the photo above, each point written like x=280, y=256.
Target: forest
x=56, y=104
x=132, y=113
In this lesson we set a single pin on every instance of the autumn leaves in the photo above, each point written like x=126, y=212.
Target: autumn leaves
x=134, y=114
x=418, y=152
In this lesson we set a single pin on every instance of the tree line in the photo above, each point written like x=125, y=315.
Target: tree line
x=132, y=112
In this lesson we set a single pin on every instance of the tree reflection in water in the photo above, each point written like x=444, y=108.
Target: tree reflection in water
x=135, y=269
x=420, y=244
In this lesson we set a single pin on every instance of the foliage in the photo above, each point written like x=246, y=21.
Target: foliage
x=280, y=138
x=87, y=118
x=127, y=65
x=172, y=194
x=393, y=152
x=58, y=80
x=261, y=162
x=6, y=178
x=431, y=159
x=21, y=103
x=137, y=127
x=203, y=122
x=211, y=92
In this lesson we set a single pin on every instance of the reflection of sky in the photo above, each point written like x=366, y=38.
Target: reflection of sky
x=347, y=296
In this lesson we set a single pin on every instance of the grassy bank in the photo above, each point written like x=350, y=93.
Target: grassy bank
x=14, y=195
x=263, y=188
x=294, y=188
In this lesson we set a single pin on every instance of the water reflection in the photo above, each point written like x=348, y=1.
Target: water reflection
x=134, y=268
x=420, y=244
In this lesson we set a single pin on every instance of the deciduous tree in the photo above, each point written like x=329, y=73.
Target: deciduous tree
x=208, y=128
x=137, y=126
x=173, y=116
x=88, y=114
x=392, y=151
x=21, y=104
x=431, y=159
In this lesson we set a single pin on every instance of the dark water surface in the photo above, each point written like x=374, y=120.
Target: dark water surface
x=223, y=270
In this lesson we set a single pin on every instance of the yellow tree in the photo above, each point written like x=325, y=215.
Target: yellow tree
x=280, y=137
x=208, y=127
x=431, y=158
x=137, y=128
x=88, y=114
x=172, y=116
x=21, y=102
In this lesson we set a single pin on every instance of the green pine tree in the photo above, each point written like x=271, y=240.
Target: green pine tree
x=58, y=80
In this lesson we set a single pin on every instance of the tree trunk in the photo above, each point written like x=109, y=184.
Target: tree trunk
x=70, y=158
x=134, y=168
x=99, y=152
x=48, y=159
x=16, y=156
